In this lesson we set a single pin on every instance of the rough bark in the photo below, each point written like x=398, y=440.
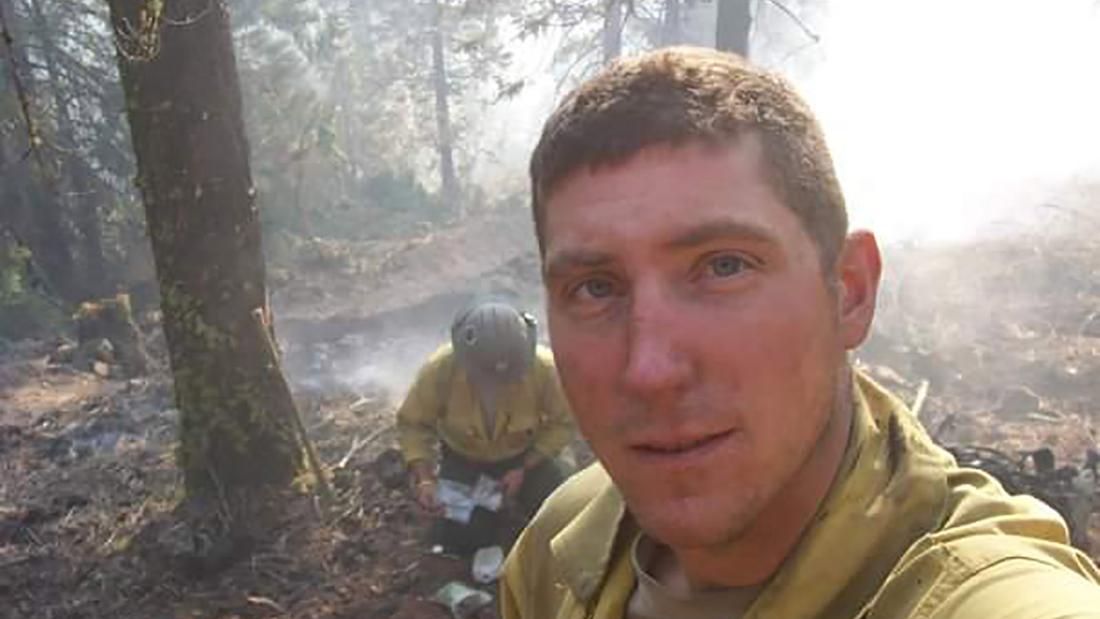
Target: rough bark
x=183, y=102
x=733, y=25
x=444, y=131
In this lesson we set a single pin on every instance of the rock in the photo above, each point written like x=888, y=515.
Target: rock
x=462, y=600
x=64, y=353
x=101, y=369
x=390, y=469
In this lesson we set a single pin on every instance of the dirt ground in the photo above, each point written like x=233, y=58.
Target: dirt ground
x=87, y=526
x=1004, y=336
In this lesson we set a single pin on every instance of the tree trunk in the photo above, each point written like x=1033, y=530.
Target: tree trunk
x=45, y=231
x=183, y=102
x=96, y=282
x=50, y=240
x=612, y=30
x=445, y=135
x=671, y=25
x=75, y=179
x=732, y=28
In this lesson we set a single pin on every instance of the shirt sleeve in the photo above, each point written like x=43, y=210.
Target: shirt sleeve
x=417, y=416
x=514, y=599
x=1022, y=589
x=556, y=429
x=509, y=604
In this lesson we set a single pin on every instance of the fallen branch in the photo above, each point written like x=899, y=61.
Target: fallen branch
x=15, y=561
x=357, y=444
x=264, y=328
x=260, y=600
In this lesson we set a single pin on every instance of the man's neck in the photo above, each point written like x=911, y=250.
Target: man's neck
x=757, y=553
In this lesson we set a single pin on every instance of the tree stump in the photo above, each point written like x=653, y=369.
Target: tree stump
x=111, y=320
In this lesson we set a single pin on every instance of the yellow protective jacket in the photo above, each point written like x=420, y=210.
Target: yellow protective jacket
x=442, y=406
x=903, y=534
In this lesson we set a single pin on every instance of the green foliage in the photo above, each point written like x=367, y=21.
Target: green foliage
x=84, y=169
x=23, y=312
x=389, y=204
x=580, y=25
x=396, y=203
x=13, y=265
x=340, y=107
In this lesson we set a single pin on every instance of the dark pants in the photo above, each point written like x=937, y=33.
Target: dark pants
x=489, y=528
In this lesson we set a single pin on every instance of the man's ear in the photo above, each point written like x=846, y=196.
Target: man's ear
x=858, y=269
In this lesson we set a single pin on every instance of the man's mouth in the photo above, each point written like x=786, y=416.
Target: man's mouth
x=682, y=446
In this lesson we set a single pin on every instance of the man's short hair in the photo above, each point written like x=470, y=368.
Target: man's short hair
x=679, y=95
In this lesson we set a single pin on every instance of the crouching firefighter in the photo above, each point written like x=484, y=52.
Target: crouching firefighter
x=487, y=412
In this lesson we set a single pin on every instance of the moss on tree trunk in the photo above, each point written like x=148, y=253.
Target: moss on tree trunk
x=184, y=106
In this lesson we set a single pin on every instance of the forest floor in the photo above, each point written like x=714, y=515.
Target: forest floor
x=1004, y=337
x=88, y=489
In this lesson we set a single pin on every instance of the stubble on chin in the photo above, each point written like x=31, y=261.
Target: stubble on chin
x=697, y=522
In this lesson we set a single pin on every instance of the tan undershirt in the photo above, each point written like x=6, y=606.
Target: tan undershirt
x=653, y=600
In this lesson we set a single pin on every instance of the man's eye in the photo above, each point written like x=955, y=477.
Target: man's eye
x=596, y=288
x=727, y=265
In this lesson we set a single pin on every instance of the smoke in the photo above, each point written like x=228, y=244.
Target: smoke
x=378, y=355
x=948, y=119
x=379, y=368
x=389, y=370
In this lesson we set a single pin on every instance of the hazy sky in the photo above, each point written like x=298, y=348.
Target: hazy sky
x=945, y=117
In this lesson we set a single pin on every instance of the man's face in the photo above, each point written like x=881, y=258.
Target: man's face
x=699, y=343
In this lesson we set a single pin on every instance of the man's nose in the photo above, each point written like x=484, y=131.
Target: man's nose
x=657, y=361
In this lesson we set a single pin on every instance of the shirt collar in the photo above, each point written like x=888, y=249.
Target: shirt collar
x=583, y=549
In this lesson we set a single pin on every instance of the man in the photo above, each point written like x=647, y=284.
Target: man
x=492, y=402
x=703, y=293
